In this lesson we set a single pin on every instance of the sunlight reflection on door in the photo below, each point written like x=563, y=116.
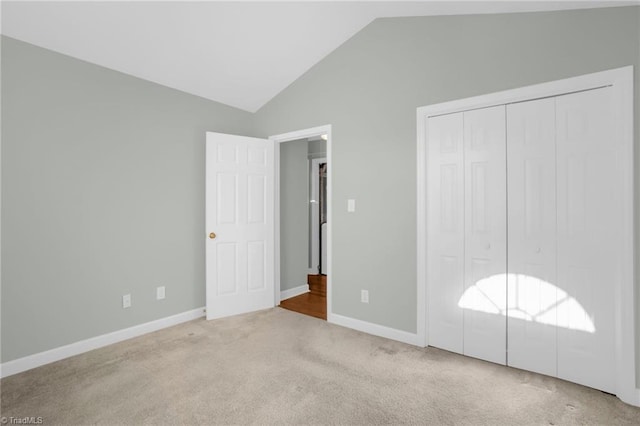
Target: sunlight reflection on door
x=529, y=299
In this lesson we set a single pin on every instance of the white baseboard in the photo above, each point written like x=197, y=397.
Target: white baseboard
x=629, y=394
x=293, y=292
x=631, y=398
x=36, y=360
x=375, y=329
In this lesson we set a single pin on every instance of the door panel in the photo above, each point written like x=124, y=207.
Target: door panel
x=257, y=197
x=227, y=268
x=239, y=210
x=256, y=262
x=532, y=281
x=589, y=242
x=226, y=198
x=445, y=231
x=485, y=238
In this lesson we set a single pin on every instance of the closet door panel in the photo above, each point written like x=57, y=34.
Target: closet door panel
x=532, y=284
x=445, y=231
x=484, y=298
x=589, y=238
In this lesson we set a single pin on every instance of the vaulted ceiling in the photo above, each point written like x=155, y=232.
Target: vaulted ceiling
x=238, y=53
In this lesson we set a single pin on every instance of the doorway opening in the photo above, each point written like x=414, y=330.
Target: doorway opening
x=302, y=221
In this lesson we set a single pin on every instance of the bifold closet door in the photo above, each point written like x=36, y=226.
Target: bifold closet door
x=532, y=282
x=445, y=230
x=550, y=309
x=589, y=236
x=484, y=298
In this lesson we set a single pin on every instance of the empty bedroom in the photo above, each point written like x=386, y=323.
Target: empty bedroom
x=319, y=212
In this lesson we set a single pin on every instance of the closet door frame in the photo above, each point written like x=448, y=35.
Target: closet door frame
x=621, y=82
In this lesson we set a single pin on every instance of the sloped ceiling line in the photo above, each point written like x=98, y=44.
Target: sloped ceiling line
x=237, y=53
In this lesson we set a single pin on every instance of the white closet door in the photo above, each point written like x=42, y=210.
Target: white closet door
x=445, y=230
x=589, y=237
x=532, y=291
x=484, y=298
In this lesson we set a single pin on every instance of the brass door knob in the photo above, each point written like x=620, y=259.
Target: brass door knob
x=212, y=235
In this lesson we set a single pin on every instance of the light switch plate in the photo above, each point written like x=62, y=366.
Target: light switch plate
x=351, y=205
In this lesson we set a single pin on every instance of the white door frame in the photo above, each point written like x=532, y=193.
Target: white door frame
x=314, y=194
x=621, y=81
x=292, y=136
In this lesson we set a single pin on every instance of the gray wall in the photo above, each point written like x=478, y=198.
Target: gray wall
x=317, y=148
x=102, y=195
x=294, y=229
x=368, y=90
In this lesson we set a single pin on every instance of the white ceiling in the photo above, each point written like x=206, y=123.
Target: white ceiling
x=239, y=53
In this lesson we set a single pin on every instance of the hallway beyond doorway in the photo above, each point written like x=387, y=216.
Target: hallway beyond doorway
x=313, y=303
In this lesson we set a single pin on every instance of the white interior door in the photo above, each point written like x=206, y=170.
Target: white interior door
x=484, y=301
x=239, y=224
x=532, y=284
x=590, y=213
x=445, y=230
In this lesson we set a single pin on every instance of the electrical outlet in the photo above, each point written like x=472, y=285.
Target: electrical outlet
x=364, y=296
x=126, y=301
x=160, y=293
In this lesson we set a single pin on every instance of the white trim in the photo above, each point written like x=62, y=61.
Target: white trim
x=303, y=134
x=36, y=360
x=315, y=155
x=537, y=91
x=292, y=136
x=421, y=228
x=625, y=330
x=621, y=80
x=375, y=329
x=329, y=221
x=293, y=292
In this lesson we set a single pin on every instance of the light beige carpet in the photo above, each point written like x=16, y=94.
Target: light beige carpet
x=279, y=367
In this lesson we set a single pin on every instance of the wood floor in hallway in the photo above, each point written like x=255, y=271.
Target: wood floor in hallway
x=308, y=303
